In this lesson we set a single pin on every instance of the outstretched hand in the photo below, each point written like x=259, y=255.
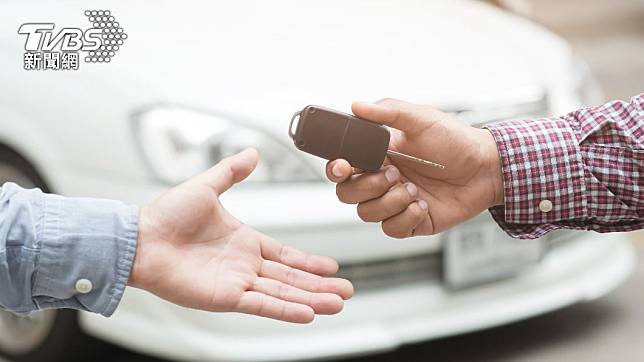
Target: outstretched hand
x=193, y=253
x=413, y=199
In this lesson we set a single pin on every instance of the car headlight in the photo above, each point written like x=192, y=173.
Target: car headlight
x=178, y=143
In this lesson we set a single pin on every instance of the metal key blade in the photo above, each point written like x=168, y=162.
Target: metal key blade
x=415, y=159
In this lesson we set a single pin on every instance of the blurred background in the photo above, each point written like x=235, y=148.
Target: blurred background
x=601, y=32
x=608, y=35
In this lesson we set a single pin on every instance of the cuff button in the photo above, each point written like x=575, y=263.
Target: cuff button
x=545, y=205
x=84, y=286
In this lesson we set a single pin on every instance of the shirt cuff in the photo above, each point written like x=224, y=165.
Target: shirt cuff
x=87, y=250
x=543, y=176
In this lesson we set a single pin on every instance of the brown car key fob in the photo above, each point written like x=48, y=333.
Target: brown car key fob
x=331, y=135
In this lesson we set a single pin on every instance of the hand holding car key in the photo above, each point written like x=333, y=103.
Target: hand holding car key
x=409, y=195
x=331, y=135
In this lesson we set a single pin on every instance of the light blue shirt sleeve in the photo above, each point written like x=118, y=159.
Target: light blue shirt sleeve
x=48, y=243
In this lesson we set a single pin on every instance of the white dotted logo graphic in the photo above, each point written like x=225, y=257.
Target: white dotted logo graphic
x=112, y=36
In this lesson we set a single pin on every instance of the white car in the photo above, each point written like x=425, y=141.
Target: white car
x=195, y=81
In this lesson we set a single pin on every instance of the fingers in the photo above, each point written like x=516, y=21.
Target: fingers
x=252, y=302
x=390, y=112
x=320, y=265
x=338, y=170
x=307, y=281
x=367, y=186
x=391, y=203
x=322, y=303
x=230, y=170
x=403, y=224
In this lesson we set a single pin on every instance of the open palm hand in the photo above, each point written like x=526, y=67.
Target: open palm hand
x=192, y=252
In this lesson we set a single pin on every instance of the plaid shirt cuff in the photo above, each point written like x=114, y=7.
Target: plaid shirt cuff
x=543, y=175
x=580, y=171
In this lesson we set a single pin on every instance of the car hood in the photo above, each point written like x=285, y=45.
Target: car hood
x=267, y=59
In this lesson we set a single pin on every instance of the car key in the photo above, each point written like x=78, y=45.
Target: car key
x=331, y=135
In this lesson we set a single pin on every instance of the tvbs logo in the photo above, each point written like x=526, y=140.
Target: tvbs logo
x=47, y=49
x=40, y=37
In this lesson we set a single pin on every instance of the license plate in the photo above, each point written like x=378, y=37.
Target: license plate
x=478, y=252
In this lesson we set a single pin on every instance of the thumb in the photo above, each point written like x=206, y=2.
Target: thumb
x=230, y=170
x=390, y=112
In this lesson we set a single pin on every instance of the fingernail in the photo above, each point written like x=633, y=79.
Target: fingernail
x=422, y=204
x=412, y=189
x=392, y=174
x=335, y=170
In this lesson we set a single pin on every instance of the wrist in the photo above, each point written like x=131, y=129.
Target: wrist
x=492, y=166
x=142, y=245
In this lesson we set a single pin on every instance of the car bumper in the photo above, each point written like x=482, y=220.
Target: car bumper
x=376, y=320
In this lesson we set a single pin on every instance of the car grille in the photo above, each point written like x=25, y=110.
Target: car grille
x=427, y=267
x=393, y=272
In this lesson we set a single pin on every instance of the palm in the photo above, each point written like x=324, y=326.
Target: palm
x=204, y=258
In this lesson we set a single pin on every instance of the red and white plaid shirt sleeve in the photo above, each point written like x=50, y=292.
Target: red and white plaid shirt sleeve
x=584, y=170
